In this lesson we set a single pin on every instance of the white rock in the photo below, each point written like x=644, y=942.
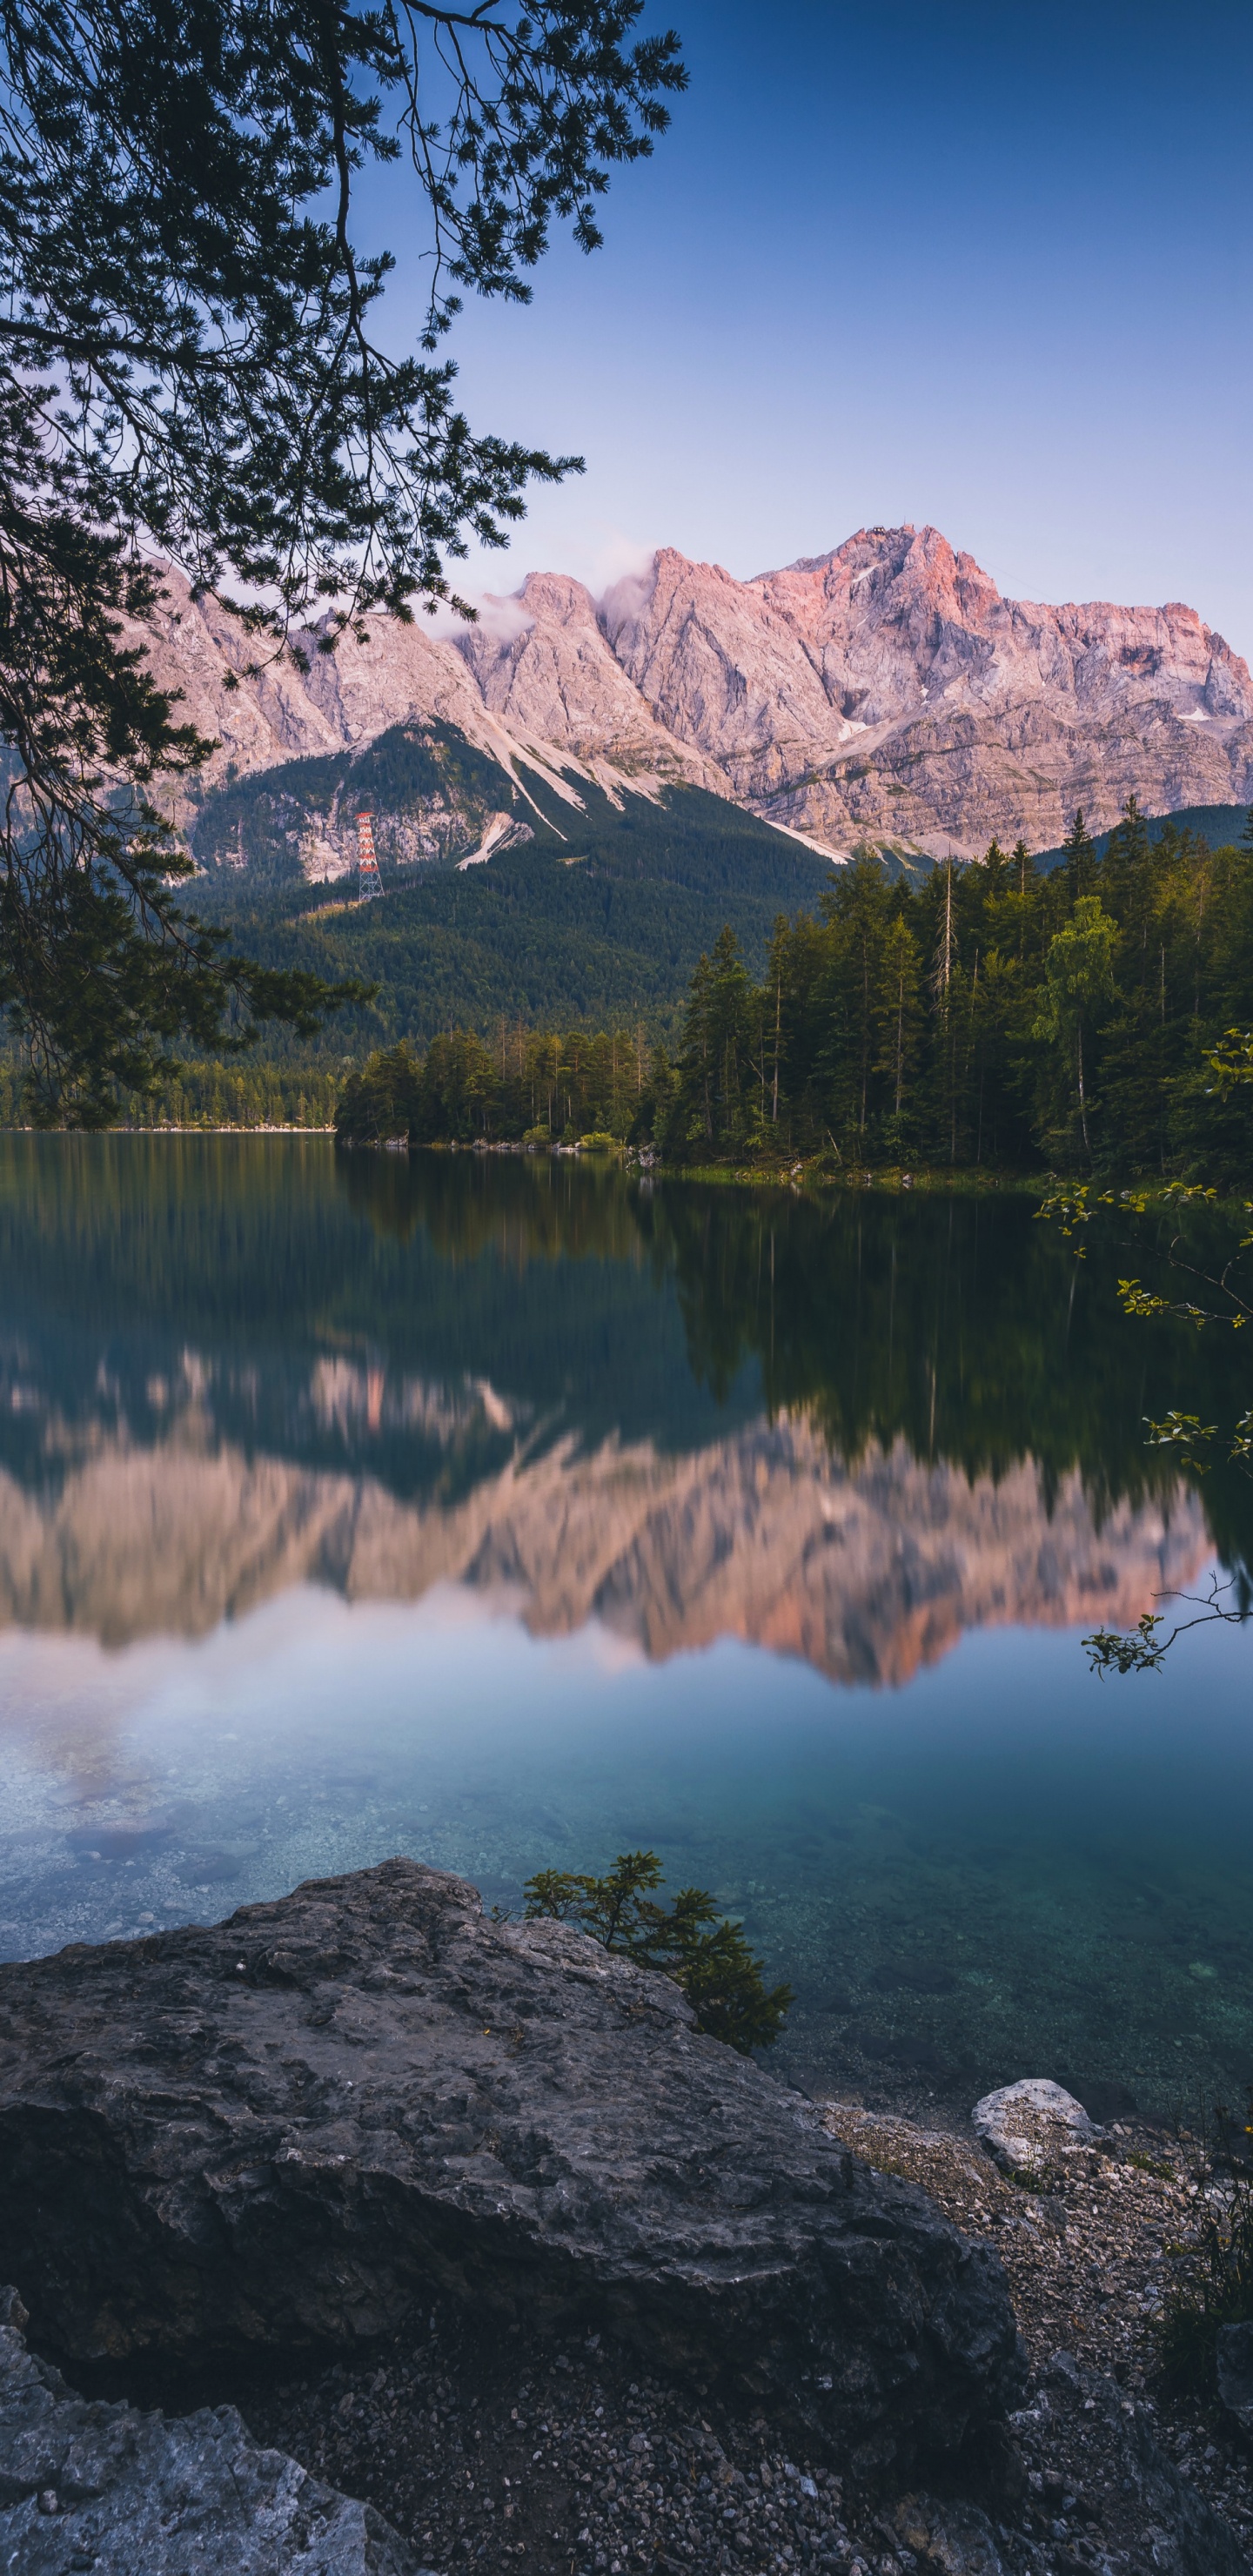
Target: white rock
x=1028, y=2125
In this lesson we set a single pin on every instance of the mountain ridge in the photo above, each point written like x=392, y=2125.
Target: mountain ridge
x=859, y=663
x=885, y=691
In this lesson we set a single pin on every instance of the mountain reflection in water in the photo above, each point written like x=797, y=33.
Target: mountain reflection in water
x=848, y=1431
x=510, y=1513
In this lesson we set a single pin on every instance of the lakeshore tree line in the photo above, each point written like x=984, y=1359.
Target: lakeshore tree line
x=989, y=1015
x=210, y=1095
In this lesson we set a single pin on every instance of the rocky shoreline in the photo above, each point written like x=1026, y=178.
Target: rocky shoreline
x=473, y=2227
x=575, y=2457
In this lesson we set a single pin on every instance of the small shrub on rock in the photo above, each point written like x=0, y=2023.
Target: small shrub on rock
x=707, y=1956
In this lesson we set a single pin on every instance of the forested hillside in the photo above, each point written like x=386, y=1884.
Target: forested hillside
x=598, y=911
x=691, y=981
x=990, y=1016
x=595, y=915
x=601, y=929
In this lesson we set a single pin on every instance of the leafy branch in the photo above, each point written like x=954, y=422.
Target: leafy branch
x=1141, y=1650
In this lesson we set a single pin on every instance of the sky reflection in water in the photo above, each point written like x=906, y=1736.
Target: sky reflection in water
x=505, y=1516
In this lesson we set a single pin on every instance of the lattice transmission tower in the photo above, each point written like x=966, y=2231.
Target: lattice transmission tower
x=369, y=882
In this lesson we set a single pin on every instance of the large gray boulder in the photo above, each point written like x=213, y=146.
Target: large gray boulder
x=289, y=2129
x=89, y=2485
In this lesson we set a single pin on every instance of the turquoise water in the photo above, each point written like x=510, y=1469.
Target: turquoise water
x=508, y=1514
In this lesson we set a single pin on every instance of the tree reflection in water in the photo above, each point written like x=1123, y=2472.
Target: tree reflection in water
x=646, y=1403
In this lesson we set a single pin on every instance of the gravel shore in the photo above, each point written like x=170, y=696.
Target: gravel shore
x=1089, y=2263
x=570, y=2460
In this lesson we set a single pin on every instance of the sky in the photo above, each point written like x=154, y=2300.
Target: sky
x=987, y=267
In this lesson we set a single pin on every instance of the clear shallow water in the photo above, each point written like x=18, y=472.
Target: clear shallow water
x=505, y=1516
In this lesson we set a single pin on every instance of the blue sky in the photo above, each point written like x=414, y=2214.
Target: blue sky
x=988, y=267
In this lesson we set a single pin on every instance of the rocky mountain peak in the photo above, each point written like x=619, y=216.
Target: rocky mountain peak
x=885, y=690
x=557, y=595
x=889, y=687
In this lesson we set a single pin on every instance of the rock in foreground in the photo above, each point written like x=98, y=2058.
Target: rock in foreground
x=87, y=2485
x=1101, y=2468
x=287, y=2130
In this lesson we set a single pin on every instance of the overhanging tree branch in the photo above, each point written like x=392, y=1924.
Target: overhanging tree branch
x=189, y=365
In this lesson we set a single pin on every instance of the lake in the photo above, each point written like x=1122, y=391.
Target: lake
x=511, y=1512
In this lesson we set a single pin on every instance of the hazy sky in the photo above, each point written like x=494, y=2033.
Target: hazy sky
x=983, y=266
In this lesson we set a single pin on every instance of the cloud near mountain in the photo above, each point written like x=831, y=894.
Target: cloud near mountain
x=885, y=690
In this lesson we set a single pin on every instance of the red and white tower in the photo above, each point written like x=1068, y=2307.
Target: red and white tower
x=369, y=882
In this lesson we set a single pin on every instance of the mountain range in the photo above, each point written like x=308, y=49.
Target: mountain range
x=884, y=694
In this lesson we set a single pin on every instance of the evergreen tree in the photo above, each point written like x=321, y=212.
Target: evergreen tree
x=714, y=1053
x=898, y=1011
x=690, y=1941
x=1079, y=860
x=1079, y=984
x=859, y=911
x=383, y=1100
x=1024, y=890
x=1129, y=888
x=730, y=1036
x=998, y=1128
x=796, y=1004
x=657, y=1117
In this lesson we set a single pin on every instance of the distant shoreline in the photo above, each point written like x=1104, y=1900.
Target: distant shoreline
x=192, y=1127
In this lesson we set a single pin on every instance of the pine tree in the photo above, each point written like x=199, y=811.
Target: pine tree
x=899, y=1015
x=1079, y=984
x=1129, y=886
x=943, y=971
x=859, y=913
x=1025, y=881
x=1079, y=860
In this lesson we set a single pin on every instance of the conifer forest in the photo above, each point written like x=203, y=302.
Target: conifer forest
x=986, y=1016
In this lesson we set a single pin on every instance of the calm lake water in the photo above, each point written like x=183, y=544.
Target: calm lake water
x=510, y=1512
